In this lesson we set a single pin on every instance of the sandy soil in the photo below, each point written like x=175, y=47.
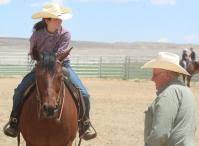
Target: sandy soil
x=117, y=110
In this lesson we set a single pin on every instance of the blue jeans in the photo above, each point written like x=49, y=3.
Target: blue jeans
x=77, y=82
x=18, y=97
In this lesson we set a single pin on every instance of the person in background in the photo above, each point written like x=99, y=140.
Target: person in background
x=171, y=118
x=186, y=55
x=49, y=35
x=193, y=54
x=186, y=58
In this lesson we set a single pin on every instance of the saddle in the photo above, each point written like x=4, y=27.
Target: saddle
x=78, y=98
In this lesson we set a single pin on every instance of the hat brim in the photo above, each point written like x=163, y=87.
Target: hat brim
x=64, y=15
x=154, y=63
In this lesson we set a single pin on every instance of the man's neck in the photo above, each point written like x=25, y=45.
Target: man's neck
x=166, y=83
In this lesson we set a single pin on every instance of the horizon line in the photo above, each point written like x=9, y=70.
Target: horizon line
x=108, y=42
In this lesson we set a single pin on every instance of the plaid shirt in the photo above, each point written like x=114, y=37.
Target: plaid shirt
x=42, y=40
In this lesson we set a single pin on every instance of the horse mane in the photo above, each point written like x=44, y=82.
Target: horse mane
x=48, y=60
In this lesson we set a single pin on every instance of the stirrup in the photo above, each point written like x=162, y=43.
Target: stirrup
x=88, y=133
x=11, y=128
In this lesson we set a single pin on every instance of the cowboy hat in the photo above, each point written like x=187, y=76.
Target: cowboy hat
x=167, y=61
x=53, y=10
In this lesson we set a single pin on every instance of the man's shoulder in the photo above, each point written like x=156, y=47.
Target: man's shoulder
x=174, y=88
x=177, y=87
x=172, y=94
x=179, y=91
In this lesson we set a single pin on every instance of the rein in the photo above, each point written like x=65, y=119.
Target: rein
x=62, y=102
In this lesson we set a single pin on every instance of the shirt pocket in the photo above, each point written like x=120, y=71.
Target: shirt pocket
x=148, y=122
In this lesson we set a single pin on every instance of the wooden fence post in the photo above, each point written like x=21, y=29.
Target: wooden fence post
x=128, y=66
x=125, y=68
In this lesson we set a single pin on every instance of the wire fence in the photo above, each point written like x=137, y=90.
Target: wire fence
x=124, y=67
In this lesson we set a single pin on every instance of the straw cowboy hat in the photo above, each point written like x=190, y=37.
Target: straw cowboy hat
x=167, y=61
x=53, y=10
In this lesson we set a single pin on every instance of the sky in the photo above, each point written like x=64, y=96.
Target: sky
x=172, y=21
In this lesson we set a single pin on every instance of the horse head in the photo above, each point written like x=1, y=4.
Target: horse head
x=192, y=67
x=49, y=82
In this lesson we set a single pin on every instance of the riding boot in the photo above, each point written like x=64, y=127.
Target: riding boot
x=87, y=131
x=11, y=128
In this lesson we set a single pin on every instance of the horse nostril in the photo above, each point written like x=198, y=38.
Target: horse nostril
x=45, y=107
x=49, y=111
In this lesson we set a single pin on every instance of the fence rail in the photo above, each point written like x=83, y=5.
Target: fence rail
x=125, y=67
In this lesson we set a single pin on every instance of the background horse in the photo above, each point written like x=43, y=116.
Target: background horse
x=184, y=63
x=49, y=115
x=192, y=68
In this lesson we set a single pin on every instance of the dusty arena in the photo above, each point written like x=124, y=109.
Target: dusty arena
x=117, y=110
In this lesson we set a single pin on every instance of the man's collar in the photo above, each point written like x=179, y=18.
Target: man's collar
x=172, y=81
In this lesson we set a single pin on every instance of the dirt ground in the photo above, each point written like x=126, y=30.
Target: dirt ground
x=117, y=110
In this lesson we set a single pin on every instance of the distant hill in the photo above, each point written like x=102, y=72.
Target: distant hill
x=102, y=49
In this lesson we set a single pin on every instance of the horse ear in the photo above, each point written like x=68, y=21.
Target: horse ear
x=35, y=54
x=64, y=54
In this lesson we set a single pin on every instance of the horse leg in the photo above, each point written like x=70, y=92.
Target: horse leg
x=188, y=80
x=183, y=76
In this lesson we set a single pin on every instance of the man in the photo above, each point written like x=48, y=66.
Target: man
x=171, y=118
x=193, y=54
x=186, y=54
x=186, y=58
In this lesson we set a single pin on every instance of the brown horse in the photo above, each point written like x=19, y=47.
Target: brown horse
x=192, y=68
x=49, y=115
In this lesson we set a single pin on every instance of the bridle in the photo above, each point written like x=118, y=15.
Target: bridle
x=59, y=100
